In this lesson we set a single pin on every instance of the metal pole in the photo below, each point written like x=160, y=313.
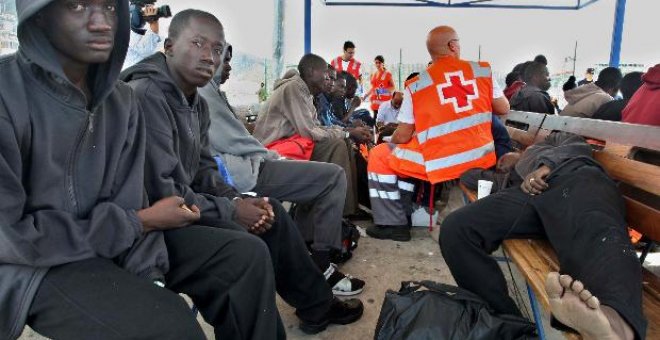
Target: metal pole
x=400, y=63
x=266, y=75
x=479, y=53
x=308, y=26
x=574, y=57
x=617, y=33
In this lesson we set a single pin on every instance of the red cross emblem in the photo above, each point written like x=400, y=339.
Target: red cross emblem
x=458, y=91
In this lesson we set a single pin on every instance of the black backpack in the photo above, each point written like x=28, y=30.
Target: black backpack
x=350, y=235
x=443, y=312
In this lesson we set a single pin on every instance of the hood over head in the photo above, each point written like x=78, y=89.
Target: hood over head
x=155, y=69
x=35, y=48
x=288, y=76
x=652, y=77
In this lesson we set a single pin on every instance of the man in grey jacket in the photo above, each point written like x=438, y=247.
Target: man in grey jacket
x=179, y=162
x=318, y=188
x=290, y=110
x=79, y=252
x=583, y=101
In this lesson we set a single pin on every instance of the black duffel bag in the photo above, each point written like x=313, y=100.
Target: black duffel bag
x=442, y=312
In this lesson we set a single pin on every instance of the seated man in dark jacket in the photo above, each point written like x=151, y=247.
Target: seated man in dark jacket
x=561, y=193
x=533, y=96
x=81, y=257
x=179, y=163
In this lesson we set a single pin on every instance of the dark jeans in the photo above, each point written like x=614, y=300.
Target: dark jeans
x=227, y=274
x=297, y=279
x=581, y=214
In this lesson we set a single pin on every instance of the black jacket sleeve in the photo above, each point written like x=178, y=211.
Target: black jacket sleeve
x=48, y=237
x=556, y=149
x=162, y=162
x=541, y=104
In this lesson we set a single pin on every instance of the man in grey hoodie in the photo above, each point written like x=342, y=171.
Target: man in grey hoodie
x=318, y=188
x=179, y=162
x=583, y=101
x=79, y=252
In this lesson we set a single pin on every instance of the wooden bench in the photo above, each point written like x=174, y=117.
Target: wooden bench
x=639, y=183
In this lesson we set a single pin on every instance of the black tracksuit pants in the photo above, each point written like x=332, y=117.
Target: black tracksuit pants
x=227, y=272
x=582, y=216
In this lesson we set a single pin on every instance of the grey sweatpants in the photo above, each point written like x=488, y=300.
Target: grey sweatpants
x=319, y=190
x=340, y=152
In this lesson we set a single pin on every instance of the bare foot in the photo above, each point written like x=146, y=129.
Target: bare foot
x=577, y=308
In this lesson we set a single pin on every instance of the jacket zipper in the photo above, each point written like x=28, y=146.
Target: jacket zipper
x=87, y=127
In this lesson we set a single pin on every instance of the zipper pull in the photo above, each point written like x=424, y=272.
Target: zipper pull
x=90, y=124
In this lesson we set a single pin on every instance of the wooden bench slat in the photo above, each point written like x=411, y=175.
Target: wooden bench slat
x=638, y=174
x=643, y=218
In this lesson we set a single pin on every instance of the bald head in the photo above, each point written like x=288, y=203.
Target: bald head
x=443, y=41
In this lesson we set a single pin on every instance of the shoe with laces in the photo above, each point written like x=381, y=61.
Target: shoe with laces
x=340, y=313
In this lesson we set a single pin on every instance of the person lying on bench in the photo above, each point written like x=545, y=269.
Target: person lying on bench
x=179, y=163
x=318, y=189
x=79, y=250
x=564, y=195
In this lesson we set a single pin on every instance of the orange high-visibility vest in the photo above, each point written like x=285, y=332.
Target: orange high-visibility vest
x=353, y=66
x=381, y=81
x=452, y=106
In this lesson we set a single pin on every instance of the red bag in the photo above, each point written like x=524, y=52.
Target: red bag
x=295, y=147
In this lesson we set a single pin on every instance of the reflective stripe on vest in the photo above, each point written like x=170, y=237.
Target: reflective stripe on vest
x=460, y=158
x=445, y=162
x=409, y=155
x=386, y=195
x=406, y=186
x=423, y=81
x=389, y=179
x=453, y=126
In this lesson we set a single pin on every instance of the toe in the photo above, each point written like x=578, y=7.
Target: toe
x=552, y=285
x=585, y=295
x=577, y=287
x=593, y=302
x=566, y=281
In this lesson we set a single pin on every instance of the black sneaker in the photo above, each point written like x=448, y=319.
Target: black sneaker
x=340, y=313
x=397, y=233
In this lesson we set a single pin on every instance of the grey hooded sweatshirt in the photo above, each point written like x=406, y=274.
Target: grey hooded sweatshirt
x=583, y=101
x=290, y=110
x=241, y=153
x=178, y=160
x=72, y=170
